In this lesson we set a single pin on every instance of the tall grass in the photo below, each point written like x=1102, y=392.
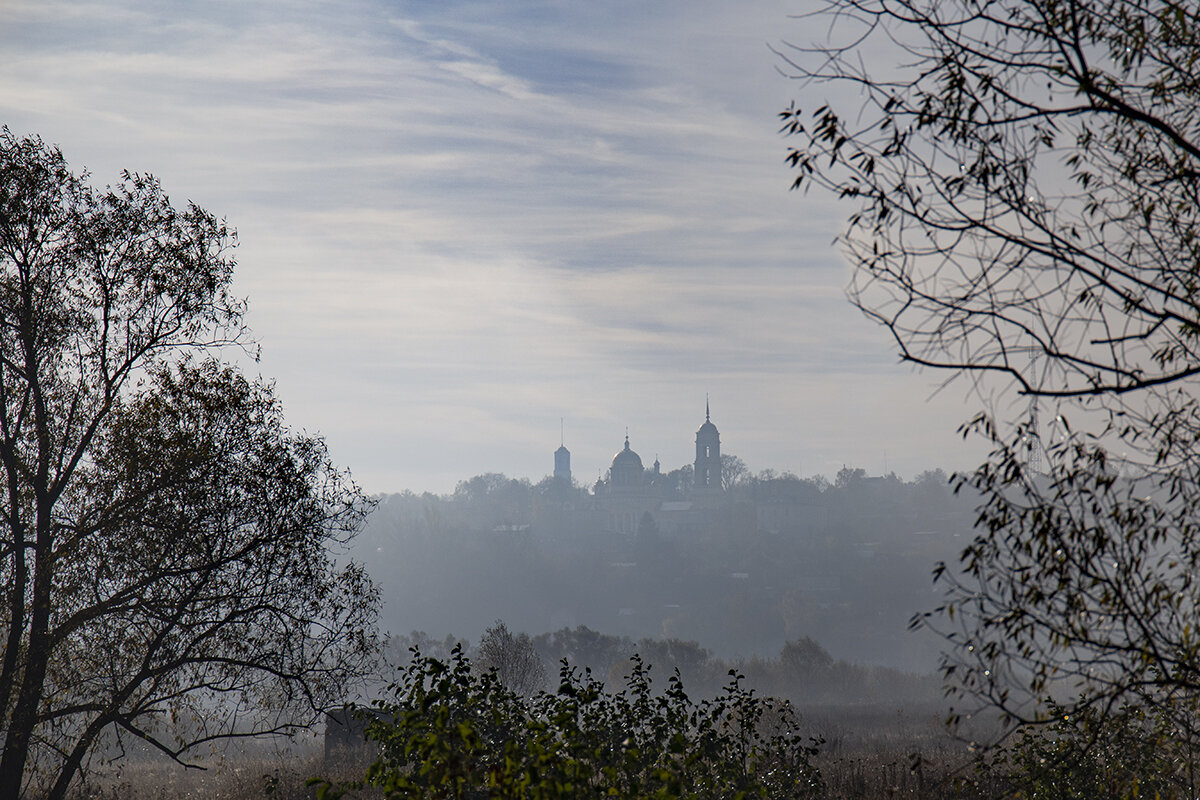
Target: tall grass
x=233, y=777
x=869, y=753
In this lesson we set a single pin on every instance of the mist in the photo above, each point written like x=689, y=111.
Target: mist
x=740, y=566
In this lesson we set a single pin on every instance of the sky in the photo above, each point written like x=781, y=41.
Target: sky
x=467, y=228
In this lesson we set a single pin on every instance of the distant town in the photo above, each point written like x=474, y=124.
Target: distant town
x=709, y=551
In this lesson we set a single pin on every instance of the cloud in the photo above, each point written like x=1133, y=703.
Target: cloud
x=461, y=221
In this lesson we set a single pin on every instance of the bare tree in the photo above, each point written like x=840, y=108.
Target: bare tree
x=734, y=472
x=1027, y=185
x=1026, y=178
x=513, y=657
x=165, y=539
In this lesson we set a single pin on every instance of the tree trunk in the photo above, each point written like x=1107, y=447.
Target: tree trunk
x=25, y=713
x=16, y=619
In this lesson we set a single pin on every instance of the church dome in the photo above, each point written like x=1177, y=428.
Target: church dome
x=627, y=459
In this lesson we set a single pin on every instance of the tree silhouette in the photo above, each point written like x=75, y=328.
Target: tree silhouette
x=513, y=657
x=1026, y=190
x=165, y=540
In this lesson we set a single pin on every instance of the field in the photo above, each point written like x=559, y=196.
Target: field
x=868, y=752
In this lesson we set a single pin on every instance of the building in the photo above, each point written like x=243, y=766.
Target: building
x=622, y=498
x=707, y=477
x=562, y=464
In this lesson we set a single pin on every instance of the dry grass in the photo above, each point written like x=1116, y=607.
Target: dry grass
x=848, y=776
x=869, y=753
x=282, y=777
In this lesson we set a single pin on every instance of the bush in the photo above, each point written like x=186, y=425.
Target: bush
x=451, y=732
x=1086, y=754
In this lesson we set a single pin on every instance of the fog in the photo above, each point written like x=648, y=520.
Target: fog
x=741, y=569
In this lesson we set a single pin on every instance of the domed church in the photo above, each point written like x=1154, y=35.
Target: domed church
x=630, y=490
x=627, y=474
x=626, y=471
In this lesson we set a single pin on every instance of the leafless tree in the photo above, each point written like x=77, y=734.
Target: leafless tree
x=734, y=472
x=513, y=657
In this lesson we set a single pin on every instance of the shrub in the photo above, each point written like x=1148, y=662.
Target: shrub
x=451, y=732
x=1128, y=753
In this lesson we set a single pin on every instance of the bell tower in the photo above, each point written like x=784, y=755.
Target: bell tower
x=562, y=458
x=707, y=476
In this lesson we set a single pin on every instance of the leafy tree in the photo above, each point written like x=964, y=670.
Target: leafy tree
x=555, y=490
x=769, y=486
x=805, y=658
x=583, y=647
x=849, y=477
x=688, y=659
x=496, y=498
x=452, y=731
x=679, y=482
x=164, y=545
x=1027, y=185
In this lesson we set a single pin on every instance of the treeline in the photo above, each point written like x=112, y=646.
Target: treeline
x=802, y=671
x=490, y=499
x=846, y=562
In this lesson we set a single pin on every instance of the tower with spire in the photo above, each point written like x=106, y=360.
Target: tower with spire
x=562, y=457
x=707, y=475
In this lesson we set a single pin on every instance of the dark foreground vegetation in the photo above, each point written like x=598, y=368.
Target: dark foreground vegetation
x=448, y=729
x=167, y=543
x=459, y=725
x=878, y=756
x=1024, y=184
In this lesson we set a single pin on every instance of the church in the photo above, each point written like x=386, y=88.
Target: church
x=630, y=494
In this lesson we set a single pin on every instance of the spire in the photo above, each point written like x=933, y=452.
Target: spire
x=562, y=437
x=706, y=419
